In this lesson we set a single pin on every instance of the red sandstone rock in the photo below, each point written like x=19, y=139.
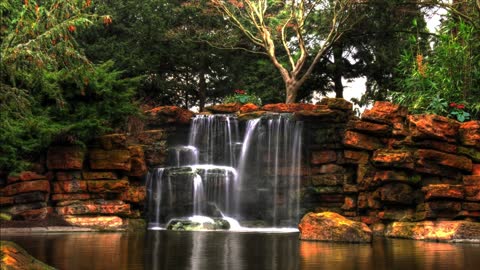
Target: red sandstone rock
x=471, y=180
x=75, y=186
x=426, y=126
x=328, y=179
x=249, y=107
x=113, y=141
x=68, y=175
x=322, y=157
x=111, y=186
x=472, y=193
x=169, y=115
x=65, y=158
x=449, y=160
x=30, y=197
x=393, y=158
x=100, y=222
x=396, y=176
x=24, y=187
x=385, y=112
x=134, y=194
x=336, y=103
x=13, y=257
x=475, y=169
x=322, y=114
x=435, y=230
x=25, y=176
x=6, y=201
x=356, y=157
x=451, y=208
x=443, y=191
x=151, y=136
x=328, y=226
x=368, y=127
x=471, y=206
x=99, y=175
x=396, y=214
x=328, y=169
x=361, y=141
x=75, y=196
x=224, y=108
x=34, y=214
x=250, y=115
x=290, y=107
x=137, y=161
x=350, y=203
x=94, y=207
x=397, y=193
x=470, y=133
x=110, y=160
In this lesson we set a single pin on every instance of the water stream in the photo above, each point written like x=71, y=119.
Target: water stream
x=251, y=177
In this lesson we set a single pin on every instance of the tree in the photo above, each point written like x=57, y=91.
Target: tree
x=286, y=25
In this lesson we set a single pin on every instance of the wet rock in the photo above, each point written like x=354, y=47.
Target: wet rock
x=443, y=231
x=433, y=126
x=336, y=103
x=369, y=127
x=443, y=191
x=24, y=187
x=469, y=133
x=322, y=157
x=110, y=186
x=224, y=108
x=471, y=180
x=396, y=176
x=444, y=159
x=393, y=158
x=385, y=112
x=328, y=179
x=30, y=197
x=13, y=257
x=249, y=107
x=472, y=193
x=361, y=141
x=65, y=158
x=329, y=226
x=189, y=225
x=134, y=194
x=165, y=115
x=328, y=169
x=250, y=115
x=97, y=222
x=397, y=215
x=113, y=141
x=290, y=107
x=110, y=160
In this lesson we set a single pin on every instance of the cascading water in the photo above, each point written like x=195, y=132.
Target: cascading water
x=265, y=188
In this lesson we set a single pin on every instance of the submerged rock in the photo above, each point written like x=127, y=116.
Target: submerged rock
x=444, y=231
x=198, y=224
x=329, y=226
x=14, y=257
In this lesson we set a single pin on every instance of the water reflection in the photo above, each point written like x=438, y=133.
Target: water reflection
x=238, y=251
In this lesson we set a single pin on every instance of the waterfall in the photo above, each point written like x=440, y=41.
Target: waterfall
x=220, y=174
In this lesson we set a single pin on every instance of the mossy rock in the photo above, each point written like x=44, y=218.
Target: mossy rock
x=188, y=225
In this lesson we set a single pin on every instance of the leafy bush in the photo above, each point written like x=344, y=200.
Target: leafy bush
x=243, y=97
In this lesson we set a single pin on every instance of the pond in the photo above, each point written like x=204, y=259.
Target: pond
x=238, y=250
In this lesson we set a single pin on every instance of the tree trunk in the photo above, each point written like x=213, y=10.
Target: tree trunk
x=338, y=71
x=291, y=90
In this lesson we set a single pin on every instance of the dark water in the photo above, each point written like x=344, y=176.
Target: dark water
x=235, y=251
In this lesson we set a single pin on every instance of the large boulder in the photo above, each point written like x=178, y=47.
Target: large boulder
x=12, y=257
x=445, y=231
x=165, y=115
x=385, y=112
x=431, y=126
x=329, y=226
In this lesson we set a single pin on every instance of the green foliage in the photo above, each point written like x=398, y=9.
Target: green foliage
x=243, y=97
x=49, y=90
x=450, y=72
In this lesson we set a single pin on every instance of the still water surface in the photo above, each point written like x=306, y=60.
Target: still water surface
x=238, y=251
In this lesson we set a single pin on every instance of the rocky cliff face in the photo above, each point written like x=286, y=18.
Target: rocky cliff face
x=384, y=166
